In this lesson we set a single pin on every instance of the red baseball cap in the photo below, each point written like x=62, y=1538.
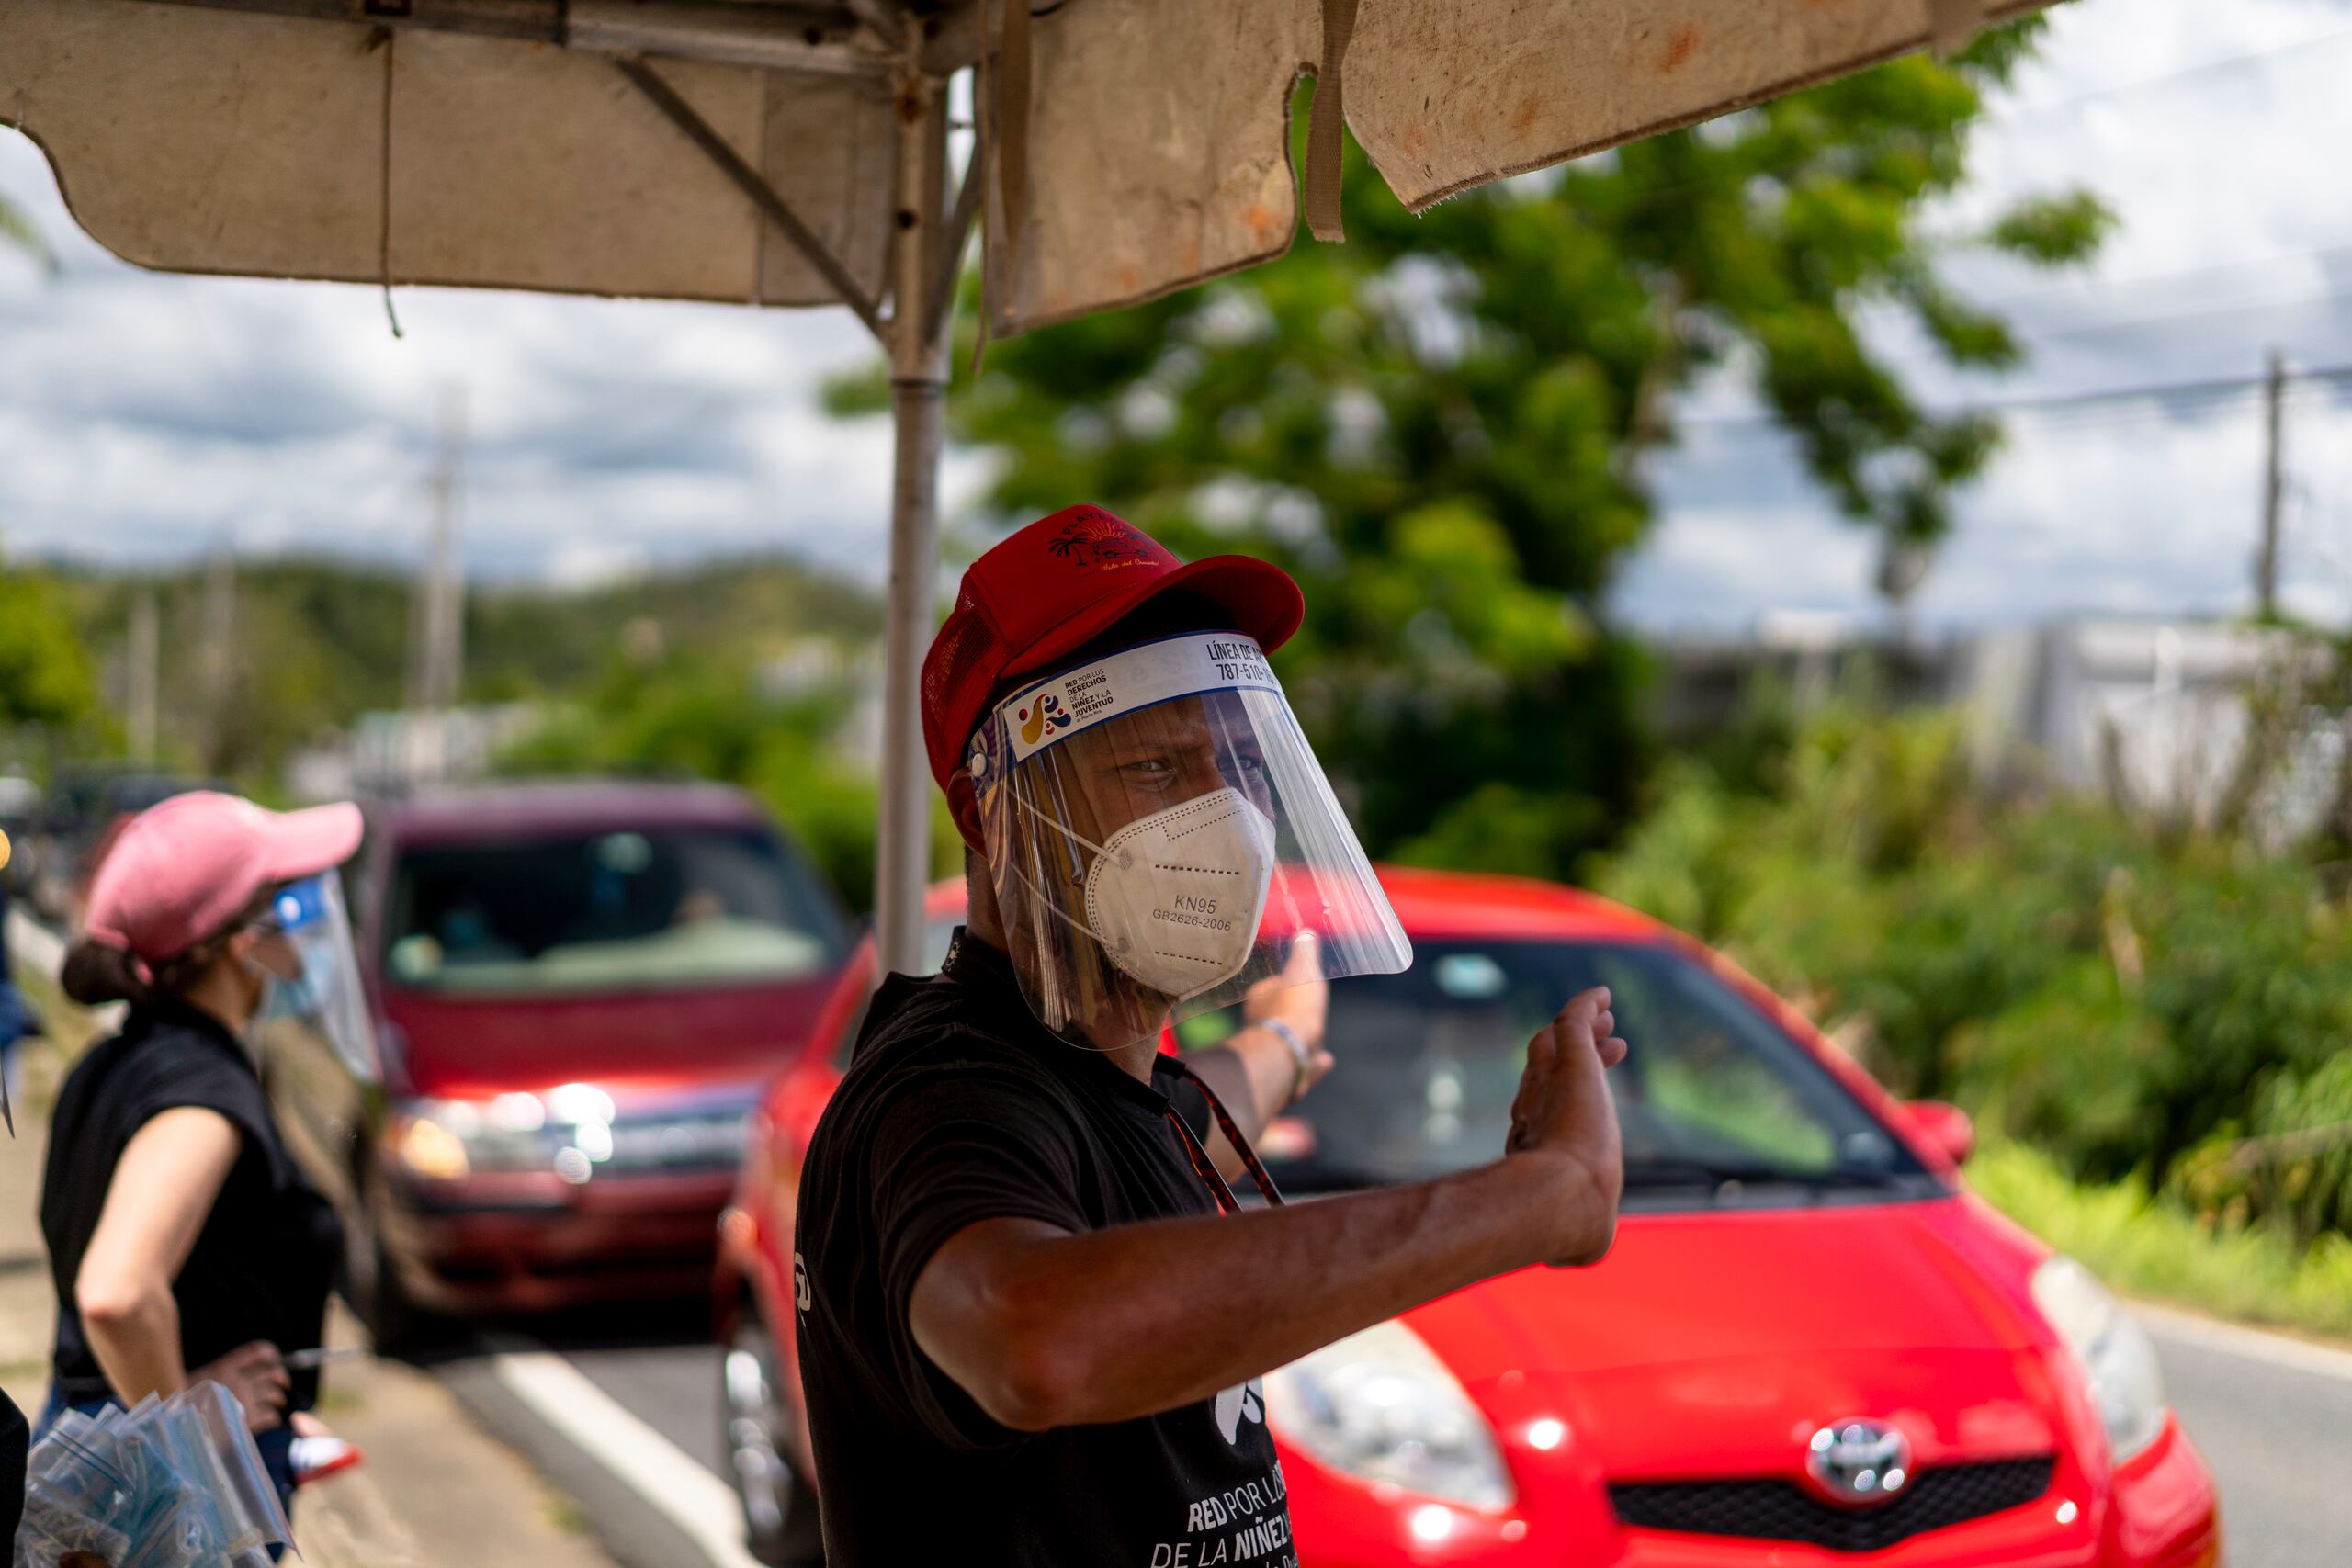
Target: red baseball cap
x=1046, y=591
x=183, y=869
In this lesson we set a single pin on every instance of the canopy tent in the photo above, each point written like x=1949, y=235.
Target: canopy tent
x=795, y=153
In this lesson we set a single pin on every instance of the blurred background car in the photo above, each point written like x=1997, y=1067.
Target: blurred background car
x=1809, y=1341
x=88, y=802
x=20, y=811
x=578, y=989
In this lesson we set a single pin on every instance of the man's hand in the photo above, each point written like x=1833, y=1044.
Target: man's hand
x=256, y=1374
x=1299, y=998
x=1564, y=1117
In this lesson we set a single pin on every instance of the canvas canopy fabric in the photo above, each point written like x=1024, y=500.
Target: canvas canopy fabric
x=215, y=140
x=1160, y=147
x=490, y=143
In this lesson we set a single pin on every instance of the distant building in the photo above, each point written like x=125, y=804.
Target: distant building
x=2161, y=714
x=394, y=752
x=1707, y=678
x=816, y=666
x=2158, y=714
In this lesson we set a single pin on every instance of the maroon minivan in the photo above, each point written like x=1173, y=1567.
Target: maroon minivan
x=578, y=989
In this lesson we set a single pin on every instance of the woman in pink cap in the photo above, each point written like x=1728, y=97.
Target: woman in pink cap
x=183, y=1242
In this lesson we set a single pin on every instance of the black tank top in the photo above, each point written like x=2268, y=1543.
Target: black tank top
x=262, y=1264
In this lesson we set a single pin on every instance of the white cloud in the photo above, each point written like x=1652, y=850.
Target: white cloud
x=2209, y=165
x=146, y=416
x=582, y=564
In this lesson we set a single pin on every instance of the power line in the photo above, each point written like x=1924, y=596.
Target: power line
x=2159, y=391
x=2168, y=394
x=2060, y=420
x=2133, y=324
x=2135, y=280
x=2174, y=78
x=1997, y=118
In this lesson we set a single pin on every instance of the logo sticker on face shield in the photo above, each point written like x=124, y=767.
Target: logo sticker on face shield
x=1076, y=700
x=1043, y=713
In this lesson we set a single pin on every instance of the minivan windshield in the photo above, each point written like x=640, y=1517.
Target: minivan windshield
x=1717, y=1103
x=607, y=912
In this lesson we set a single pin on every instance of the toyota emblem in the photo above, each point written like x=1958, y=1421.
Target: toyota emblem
x=1859, y=1461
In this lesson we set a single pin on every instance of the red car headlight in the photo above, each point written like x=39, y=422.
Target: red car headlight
x=2116, y=1356
x=1381, y=1407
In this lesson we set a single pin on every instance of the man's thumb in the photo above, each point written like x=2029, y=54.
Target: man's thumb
x=1306, y=957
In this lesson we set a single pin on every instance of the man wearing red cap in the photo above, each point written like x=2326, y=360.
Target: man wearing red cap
x=1033, y=1315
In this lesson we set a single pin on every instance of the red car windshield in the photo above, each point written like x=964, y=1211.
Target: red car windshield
x=1716, y=1100
x=607, y=912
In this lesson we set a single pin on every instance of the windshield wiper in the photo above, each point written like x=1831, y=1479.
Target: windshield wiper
x=1654, y=1174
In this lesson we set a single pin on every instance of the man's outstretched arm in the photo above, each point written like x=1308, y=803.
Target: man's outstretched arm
x=1044, y=1327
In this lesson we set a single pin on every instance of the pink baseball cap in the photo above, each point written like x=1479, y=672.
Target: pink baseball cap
x=183, y=869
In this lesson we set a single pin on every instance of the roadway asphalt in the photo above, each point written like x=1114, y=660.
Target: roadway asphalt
x=2274, y=1418
x=2276, y=1427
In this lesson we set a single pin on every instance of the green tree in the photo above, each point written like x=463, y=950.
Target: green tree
x=45, y=676
x=316, y=642
x=1440, y=426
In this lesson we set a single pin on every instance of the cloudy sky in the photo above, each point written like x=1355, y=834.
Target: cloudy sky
x=146, y=417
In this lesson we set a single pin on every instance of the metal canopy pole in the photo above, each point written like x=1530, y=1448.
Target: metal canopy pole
x=918, y=345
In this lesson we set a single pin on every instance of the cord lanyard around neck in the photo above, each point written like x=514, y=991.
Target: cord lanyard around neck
x=1225, y=1202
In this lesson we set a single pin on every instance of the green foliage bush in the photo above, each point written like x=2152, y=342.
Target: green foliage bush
x=46, y=676
x=2159, y=1251
x=2135, y=1001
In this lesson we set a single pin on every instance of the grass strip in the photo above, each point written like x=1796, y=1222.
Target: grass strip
x=2144, y=1246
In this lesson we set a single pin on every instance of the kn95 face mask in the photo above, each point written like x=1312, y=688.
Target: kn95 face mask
x=1174, y=898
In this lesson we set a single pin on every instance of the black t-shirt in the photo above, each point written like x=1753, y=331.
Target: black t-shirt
x=262, y=1264
x=960, y=1107
x=13, y=1449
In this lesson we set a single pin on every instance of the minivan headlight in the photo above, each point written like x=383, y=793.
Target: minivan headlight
x=448, y=1140
x=2118, y=1358
x=572, y=1129
x=1381, y=1407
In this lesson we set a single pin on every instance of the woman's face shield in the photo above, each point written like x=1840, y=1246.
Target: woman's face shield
x=319, y=988
x=1158, y=832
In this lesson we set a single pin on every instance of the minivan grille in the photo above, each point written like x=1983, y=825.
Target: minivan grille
x=1782, y=1510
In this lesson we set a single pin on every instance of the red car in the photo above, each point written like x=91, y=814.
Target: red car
x=1809, y=1345
x=579, y=990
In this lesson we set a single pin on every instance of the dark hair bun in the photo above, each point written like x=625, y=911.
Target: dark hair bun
x=97, y=973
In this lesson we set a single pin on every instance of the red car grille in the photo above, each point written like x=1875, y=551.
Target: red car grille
x=1782, y=1510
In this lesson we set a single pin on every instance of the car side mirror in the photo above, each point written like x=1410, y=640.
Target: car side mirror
x=1945, y=1125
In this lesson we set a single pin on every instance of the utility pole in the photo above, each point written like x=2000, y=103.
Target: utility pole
x=220, y=652
x=437, y=627
x=2266, y=561
x=144, y=652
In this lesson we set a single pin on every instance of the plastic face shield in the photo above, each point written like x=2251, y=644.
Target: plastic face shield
x=1159, y=832
x=327, y=997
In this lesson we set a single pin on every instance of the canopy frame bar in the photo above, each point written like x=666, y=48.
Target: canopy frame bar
x=819, y=39
x=750, y=181
x=948, y=264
